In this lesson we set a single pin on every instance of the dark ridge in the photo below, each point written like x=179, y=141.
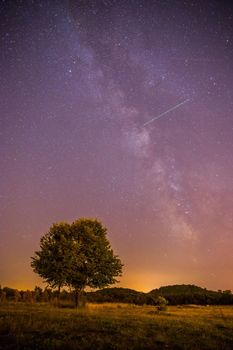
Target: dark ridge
x=175, y=295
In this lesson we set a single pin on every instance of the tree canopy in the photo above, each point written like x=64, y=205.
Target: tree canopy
x=77, y=255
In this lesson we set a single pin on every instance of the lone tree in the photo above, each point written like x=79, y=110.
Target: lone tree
x=77, y=255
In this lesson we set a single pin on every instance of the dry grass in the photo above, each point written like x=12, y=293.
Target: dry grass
x=115, y=326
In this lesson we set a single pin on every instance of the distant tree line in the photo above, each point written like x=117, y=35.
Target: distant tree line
x=175, y=295
x=36, y=295
x=46, y=295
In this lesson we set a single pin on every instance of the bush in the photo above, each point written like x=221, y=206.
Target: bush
x=161, y=303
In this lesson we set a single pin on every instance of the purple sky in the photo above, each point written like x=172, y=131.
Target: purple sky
x=79, y=79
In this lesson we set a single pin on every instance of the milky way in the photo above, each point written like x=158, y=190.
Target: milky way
x=79, y=79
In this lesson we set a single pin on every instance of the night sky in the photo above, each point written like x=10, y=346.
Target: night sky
x=79, y=82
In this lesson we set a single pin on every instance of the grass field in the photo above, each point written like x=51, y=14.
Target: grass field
x=115, y=326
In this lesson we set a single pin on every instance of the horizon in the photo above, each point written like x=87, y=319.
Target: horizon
x=45, y=285
x=88, y=290
x=120, y=110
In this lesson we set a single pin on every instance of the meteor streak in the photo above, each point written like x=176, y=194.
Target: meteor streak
x=166, y=112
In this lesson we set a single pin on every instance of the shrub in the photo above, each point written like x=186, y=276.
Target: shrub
x=161, y=303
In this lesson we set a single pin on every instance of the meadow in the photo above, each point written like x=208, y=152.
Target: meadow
x=115, y=326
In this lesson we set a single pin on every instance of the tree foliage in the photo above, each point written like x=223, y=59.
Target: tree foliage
x=77, y=255
x=51, y=262
x=94, y=264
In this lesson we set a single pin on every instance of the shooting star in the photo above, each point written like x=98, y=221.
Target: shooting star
x=166, y=112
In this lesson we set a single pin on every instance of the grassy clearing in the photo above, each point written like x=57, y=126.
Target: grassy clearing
x=115, y=326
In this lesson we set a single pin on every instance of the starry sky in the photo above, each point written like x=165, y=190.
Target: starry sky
x=79, y=82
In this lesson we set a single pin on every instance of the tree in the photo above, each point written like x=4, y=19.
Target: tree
x=77, y=255
x=2, y=295
x=51, y=262
x=38, y=293
x=27, y=296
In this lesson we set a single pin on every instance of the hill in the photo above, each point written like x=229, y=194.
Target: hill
x=175, y=294
x=119, y=295
x=191, y=294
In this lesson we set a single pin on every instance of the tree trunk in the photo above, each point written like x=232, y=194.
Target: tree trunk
x=78, y=298
x=58, y=295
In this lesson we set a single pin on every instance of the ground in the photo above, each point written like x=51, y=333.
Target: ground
x=115, y=326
